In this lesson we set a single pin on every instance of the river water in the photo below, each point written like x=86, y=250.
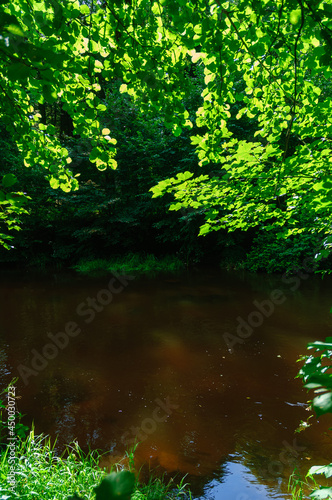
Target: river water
x=198, y=367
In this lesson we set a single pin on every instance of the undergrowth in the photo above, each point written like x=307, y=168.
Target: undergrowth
x=131, y=263
x=277, y=255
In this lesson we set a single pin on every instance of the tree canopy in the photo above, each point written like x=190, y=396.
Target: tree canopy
x=266, y=60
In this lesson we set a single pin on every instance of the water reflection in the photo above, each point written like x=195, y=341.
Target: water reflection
x=154, y=365
x=238, y=483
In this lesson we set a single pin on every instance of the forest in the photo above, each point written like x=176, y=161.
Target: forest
x=196, y=130
x=160, y=135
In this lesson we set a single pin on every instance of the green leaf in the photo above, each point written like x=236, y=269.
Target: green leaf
x=101, y=107
x=95, y=152
x=321, y=345
x=295, y=16
x=18, y=71
x=15, y=29
x=117, y=485
x=6, y=19
x=65, y=186
x=8, y=180
x=177, y=130
x=84, y=9
x=54, y=183
x=321, y=469
x=322, y=493
x=322, y=404
x=205, y=229
x=183, y=176
x=175, y=206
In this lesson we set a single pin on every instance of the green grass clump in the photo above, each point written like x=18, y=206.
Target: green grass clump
x=131, y=263
x=40, y=474
x=156, y=489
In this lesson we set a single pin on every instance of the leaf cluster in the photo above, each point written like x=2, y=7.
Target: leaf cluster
x=317, y=376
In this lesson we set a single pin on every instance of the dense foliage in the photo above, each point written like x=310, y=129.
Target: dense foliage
x=223, y=106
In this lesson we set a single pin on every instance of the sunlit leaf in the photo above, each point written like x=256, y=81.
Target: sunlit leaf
x=322, y=493
x=15, y=29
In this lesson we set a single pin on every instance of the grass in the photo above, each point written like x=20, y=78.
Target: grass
x=295, y=486
x=156, y=489
x=131, y=263
x=302, y=488
x=42, y=475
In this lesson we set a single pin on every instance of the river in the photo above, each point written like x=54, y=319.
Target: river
x=199, y=367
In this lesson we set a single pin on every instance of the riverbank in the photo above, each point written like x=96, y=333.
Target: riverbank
x=37, y=472
x=131, y=263
x=267, y=254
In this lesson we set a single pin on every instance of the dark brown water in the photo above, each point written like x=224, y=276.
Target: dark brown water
x=149, y=360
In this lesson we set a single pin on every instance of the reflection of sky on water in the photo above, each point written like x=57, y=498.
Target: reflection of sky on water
x=239, y=483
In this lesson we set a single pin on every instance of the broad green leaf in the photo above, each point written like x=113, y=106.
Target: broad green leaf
x=321, y=345
x=204, y=229
x=322, y=404
x=182, y=176
x=84, y=9
x=175, y=206
x=65, y=187
x=8, y=180
x=322, y=493
x=321, y=469
x=101, y=107
x=116, y=486
x=18, y=71
x=177, y=130
x=295, y=16
x=15, y=29
x=54, y=183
